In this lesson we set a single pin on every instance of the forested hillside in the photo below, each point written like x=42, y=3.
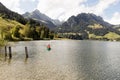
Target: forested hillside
x=13, y=26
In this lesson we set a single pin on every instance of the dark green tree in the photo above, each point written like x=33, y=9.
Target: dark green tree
x=15, y=31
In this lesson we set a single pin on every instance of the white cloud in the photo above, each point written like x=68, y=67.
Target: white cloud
x=115, y=19
x=12, y=5
x=102, y=5
x=63, y=9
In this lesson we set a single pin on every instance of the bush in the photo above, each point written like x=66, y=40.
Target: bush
x=2, y=42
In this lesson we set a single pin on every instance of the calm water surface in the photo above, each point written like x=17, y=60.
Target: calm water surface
x=67, y=60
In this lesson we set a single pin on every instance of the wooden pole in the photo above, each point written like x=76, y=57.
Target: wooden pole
x=5, y=51
x=10, y=53
x=26, y=52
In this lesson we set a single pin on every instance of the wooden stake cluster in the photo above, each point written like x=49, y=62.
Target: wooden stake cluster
x=5, y=51
x=10, y=52
x=26, y=52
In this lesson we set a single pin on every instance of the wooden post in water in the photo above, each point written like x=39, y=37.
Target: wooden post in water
x=5, y=51
x=10, y=53
x=26, y=52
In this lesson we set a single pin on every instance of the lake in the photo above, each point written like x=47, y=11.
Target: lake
x=67, y=60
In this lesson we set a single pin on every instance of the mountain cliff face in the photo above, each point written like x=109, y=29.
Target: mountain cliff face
x=2, y=7
x=87, y=19
x=83, y=21
x=37, y=15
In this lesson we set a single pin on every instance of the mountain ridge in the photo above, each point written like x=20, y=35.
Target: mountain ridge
x=37, y=15
x=86, y=24
x=83, y=20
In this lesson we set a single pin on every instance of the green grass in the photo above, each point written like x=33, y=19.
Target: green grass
x=2, y=42
x=6, y=26
x=95, y=26
x=109, y=36
x=112, y=36
x=8, y=23
x=95, y=36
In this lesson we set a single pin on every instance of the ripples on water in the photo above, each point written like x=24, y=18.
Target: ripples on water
x=67, y=60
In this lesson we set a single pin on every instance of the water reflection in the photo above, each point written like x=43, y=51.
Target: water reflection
x=91, y=59
x=67, y=60
x=9, y=61
x=26, y=60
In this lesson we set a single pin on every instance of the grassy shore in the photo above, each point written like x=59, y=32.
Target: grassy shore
x=2, y=42
x=61, y=39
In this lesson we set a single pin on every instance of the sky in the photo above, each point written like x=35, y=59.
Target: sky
x=109, y=10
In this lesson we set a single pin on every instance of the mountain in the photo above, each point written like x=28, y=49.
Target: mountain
x=117, y=27
x=8, y=14
x=37, y=15
x=5, y=13
x=57, y=22
x=82, y=21
x=14, y=26
x=86, y=24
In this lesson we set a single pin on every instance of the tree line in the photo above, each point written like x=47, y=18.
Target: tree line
x=27, y=32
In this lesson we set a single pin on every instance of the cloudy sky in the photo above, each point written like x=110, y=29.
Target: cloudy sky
x=63, y=9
